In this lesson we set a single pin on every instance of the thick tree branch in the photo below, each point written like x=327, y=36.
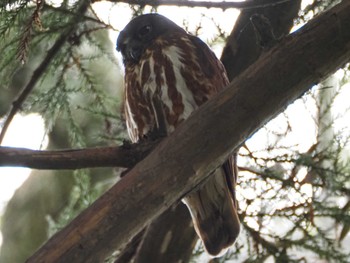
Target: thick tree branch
x=203, y=142
x=248, y=4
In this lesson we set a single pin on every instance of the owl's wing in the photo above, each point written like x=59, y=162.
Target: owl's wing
x=213, y=205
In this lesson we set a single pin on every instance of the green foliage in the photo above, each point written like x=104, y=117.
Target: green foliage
x=66, y=51
x=77, y=76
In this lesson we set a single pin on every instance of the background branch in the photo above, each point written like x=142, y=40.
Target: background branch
x=249, y=4
x=181, y=161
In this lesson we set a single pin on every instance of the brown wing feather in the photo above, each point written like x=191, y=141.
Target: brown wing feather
x=213, y=207
x=212, y=68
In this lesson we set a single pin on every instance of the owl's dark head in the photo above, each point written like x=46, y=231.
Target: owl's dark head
x=140, y=33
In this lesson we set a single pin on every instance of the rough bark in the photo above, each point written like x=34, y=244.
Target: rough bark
x=187, y=157
x=242, y=47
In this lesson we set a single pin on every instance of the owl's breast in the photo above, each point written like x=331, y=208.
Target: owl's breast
x=156, y=91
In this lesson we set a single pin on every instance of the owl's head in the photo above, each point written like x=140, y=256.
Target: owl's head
x=140, y=33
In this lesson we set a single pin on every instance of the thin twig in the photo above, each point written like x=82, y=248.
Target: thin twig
x=71, y=13
x=27, y=33
x=249, y=4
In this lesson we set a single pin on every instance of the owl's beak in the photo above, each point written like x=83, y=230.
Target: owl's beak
x=130, y=50
x=135, y=53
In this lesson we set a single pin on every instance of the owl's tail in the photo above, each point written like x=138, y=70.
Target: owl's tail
x=214, y=211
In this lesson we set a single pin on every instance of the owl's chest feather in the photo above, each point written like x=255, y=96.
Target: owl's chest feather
x=159, y=79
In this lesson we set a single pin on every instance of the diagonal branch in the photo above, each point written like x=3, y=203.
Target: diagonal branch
x=199, y=145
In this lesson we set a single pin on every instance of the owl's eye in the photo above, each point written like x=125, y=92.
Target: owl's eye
x=144, y=31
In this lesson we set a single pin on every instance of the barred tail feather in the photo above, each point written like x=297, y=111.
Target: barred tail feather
x=214, y=213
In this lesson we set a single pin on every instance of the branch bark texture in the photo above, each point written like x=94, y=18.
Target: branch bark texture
x=181, y=161
x=242, y=47
x=122, y=156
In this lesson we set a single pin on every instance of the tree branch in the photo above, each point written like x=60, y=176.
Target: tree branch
x=199, y=145
x=249, y=4
x=123, y=156
x=242, y=46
